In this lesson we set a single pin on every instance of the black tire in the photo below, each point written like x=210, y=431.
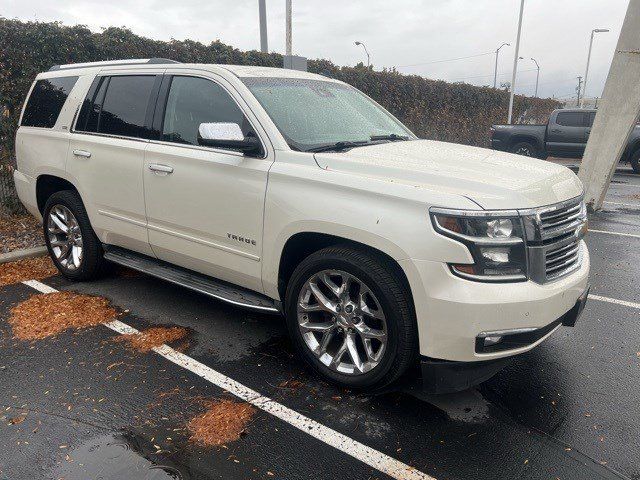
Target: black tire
x=526, y=149
x=92, y=263
x=395, y=300
x=634, y=160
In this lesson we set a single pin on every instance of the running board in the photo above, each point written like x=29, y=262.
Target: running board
x=212, y=287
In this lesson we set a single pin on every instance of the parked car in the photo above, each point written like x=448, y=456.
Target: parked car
x=565, y=135
x=287, y=192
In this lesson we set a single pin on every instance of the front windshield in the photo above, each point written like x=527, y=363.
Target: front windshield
x=317, y=113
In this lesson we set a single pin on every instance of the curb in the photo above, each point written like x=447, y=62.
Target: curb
x=22, y=254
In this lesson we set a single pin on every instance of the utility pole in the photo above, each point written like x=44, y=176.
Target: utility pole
x=537, y=76
x=579, y=89
x=586, y=73
x=495, y=72
x=262, y=10
x=288, y=28
x=515, y=63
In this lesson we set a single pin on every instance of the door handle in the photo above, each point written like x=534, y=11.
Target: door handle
x=160, y=169
x=555, y=130
x=82, y=153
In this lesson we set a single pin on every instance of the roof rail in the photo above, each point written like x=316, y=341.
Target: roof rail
x=110, y=63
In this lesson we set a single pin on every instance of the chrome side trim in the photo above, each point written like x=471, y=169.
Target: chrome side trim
x=202, y=241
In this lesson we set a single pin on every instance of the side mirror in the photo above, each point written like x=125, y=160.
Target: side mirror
x=227, y=135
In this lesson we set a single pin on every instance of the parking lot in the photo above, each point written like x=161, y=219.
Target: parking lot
x=84, y=405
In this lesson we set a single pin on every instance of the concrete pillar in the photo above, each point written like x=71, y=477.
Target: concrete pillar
x=617, y=113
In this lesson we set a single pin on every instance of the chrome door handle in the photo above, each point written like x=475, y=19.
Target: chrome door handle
x=160, y=169
x=82, y=153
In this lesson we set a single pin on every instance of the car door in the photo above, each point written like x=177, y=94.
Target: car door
x=205, y=205
x=106, y=156
x=566, y=134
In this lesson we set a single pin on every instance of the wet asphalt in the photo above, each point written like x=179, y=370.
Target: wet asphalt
x=83, y=405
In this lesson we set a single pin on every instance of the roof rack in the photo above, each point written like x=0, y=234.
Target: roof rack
x=110, y=63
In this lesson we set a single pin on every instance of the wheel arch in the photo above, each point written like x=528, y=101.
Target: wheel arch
x=525, y=138
x=300, y=245
x=47, y=185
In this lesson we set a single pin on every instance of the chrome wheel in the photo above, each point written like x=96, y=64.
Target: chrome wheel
x=342, y=322
x=65, y=237
x=526, y=151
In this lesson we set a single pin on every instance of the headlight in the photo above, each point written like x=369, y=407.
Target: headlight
x=495, y=240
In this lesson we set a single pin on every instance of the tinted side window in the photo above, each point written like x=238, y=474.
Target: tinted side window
x=46, y=101
x=192, y=101
x=125, y=104
x=570, y=119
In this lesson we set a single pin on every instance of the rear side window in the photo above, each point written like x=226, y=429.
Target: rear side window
x=125, y=105
x=571, y=119
x=46, y=101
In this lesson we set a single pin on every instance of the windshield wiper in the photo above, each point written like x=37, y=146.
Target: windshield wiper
x=338, y=146
x=391, y=136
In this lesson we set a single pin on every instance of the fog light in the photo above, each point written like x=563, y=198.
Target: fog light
x=488, y=341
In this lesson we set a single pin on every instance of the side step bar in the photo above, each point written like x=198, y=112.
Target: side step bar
x=212, y=287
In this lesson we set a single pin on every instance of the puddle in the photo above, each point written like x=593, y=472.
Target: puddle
x=468, y=406
x=114, y=457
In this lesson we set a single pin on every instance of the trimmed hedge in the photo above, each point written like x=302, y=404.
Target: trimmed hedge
x=439, y=110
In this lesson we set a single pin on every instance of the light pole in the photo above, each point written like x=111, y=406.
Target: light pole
x=262, y=13
x=365, y=51
x=495, y=72
x=586, y=73
x=515, y=63
x=288, y=35
x=537, y=75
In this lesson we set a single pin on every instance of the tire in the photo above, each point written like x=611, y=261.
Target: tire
x=634, y=160
x=90, y=262
x=525, y=149
x=384, y=288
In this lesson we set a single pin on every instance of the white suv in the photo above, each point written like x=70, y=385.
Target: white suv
x=284, y=191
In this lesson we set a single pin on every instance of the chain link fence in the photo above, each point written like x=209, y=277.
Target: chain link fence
x=9, y=202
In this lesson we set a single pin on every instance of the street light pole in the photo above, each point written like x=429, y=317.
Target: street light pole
x=365, y=51
x=537, y=75
x=288, y=28
x=495, y=72
x=262, y=11
x=515, y=63
x=586, y=73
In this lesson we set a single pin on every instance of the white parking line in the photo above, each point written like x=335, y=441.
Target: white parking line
x=367, y=455
x=591, y=230
x=614, y=300
x=623, y=204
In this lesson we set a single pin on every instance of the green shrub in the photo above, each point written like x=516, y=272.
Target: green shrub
x=438, y=110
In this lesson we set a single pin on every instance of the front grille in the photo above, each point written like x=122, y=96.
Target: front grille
x=561, y=260
x=554, y=238
x=558, y=221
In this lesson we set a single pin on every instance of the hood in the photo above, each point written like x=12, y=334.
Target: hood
x=493, y=179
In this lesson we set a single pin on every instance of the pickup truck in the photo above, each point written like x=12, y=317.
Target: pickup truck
x=290, y=193
x=565, y=135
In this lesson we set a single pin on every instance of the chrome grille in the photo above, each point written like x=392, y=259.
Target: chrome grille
x=553, y=239
x=561, y=260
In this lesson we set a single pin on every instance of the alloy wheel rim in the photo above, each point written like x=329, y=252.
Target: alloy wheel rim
x=65, y=237
x=524, y=151
x=342, y=322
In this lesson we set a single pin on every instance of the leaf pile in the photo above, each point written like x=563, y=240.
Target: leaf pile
x=153, y=337
x=47, y=315
x=28, y=269
x=21, y=231
x=223, y=422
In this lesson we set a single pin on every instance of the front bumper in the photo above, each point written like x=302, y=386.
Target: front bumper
x=452, y=312
x=442, y=376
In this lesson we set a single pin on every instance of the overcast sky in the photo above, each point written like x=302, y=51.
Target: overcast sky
x=397, y=33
